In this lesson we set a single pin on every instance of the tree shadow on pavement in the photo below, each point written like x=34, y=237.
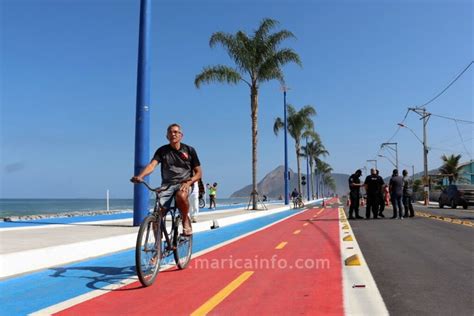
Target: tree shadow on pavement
x=100, y=277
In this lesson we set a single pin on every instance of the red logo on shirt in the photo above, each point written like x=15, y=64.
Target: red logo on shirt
x=183, y=155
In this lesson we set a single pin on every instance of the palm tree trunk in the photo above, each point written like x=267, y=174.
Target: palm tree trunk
x=254, y=115
x=297, y=145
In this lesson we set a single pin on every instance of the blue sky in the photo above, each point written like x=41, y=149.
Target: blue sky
x=68, y=87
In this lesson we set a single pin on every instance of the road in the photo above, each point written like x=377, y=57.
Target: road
x=422, y=265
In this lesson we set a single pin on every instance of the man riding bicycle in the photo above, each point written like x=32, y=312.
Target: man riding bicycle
x=180, y=168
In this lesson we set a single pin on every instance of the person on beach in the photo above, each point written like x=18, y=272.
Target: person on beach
x=180, y=169
x=212, y=194
x=407, y=193
x=354, y=194
x=396, y=193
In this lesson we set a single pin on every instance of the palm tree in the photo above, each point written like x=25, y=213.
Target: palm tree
x=329, y=181
x=299, y=125
x=257, y=57
x=451, y=167
x=312, y=151
x=323, y=169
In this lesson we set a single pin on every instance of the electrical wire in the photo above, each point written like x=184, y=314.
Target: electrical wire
x=453, y=119
x=462, y=140
x=452, y=82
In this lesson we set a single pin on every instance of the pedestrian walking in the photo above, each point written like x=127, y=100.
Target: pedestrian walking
x=396, y=193
x=407, y=195
x=354, y=194
x=194, y=202
x=373, y=186
x=212, y=194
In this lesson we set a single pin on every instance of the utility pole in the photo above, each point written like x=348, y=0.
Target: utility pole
x=425, y=116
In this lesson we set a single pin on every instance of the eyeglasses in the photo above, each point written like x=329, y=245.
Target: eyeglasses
x=174, y=132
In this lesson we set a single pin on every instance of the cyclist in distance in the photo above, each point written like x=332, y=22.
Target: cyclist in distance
x=180, y=168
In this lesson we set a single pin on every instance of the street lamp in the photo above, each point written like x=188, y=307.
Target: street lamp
x=388, y=160
x=287, y=193
x=425, y=116
x=374, y=161
x=394, y=147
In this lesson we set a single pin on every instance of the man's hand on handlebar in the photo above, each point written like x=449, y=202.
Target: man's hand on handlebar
x=136, y=179
x=185, y=185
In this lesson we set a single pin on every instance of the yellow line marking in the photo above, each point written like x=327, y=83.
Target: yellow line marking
x=320, y=211
x=222, y=294
x=281, y=245
x=296, y=232
x=305, y=224
x=445, y=219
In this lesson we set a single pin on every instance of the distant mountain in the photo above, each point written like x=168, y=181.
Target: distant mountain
x=273, y=186
x=342, y=184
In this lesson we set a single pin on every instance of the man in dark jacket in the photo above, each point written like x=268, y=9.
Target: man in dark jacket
x=373, y=186
x=354, y=194
x=407, y=193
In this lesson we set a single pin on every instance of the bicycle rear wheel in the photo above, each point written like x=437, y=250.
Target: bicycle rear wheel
x=148, y=251
x=183, y=245
x=202, y=203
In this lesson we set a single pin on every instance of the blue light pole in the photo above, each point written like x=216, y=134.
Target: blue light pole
x=287, y=193
x=142, y=117
x=307, y=170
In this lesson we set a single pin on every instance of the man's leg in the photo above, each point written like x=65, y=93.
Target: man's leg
x=183, y=206
x=368, y=207
x=410, y=205
x=405, y=205
x=394, y=206
x=351, y=208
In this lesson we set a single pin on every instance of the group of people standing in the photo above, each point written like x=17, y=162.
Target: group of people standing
x=399, y=188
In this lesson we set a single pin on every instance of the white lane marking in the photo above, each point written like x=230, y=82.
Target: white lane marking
x=358, y=300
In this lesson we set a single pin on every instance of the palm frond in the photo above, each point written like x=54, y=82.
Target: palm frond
x=219, y=73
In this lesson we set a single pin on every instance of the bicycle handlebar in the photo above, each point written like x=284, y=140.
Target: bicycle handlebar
x=156, y=190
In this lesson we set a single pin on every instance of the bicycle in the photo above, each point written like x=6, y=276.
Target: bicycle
x=298, y=202
x=156, y=242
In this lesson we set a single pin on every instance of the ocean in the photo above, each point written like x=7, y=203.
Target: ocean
x=24, y=207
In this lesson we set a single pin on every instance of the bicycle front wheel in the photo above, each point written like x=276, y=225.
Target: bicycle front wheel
x=183, y=245
x=148, y=250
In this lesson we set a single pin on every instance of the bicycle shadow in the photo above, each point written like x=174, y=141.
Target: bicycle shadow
x=101, y=278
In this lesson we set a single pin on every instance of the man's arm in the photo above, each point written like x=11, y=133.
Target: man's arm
x=146, y=171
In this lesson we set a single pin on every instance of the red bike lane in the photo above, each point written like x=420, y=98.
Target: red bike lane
x=292, y=267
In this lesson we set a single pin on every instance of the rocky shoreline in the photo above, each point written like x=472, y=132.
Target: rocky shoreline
x=59, y=215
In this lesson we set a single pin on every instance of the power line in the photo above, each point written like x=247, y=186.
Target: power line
x=453, y=119
x=452, y=82
x=462, y=140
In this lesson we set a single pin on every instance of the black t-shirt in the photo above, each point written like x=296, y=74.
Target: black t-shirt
x=176, y=165
x=374, y=184
x=354, y=179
